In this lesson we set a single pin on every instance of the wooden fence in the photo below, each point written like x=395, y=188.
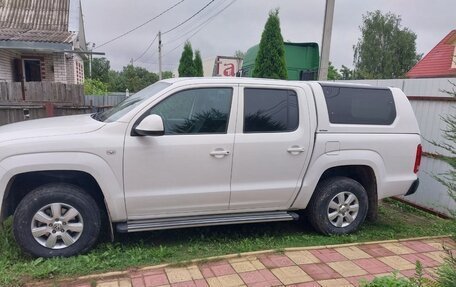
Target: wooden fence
x=29, y=92
x=17, y=113
x=34, y=100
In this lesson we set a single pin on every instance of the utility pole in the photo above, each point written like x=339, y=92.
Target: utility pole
x=90, y=65
x=159, y=55
x=326, y=40
x=90, y=58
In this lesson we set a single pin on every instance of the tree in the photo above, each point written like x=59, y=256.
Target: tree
x=100, y=69
x=198, y=64
x=167, y=74
x=114, y=83
x=333, y=74
x=346, y=73
x=270, y=61
x=186, y=64
x=385, y=49
x=133, y=78
x=239, y=54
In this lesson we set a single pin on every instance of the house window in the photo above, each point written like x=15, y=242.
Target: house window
x=32, y=70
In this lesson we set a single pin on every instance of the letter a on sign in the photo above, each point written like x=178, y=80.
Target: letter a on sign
x=229, y=70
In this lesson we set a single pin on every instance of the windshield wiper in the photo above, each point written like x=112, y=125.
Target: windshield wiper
x=97, y=116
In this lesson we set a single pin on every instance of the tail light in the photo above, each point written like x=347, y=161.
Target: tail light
x=419, y=151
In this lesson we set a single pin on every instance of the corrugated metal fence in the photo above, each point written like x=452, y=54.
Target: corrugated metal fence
x=103, y=101
x=430, y=102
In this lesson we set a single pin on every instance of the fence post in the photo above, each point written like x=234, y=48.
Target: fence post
x=49, y=109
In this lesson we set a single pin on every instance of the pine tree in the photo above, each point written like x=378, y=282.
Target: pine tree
x=186, y=64
x=270, y=61
x=198, y=64
x=448, y=179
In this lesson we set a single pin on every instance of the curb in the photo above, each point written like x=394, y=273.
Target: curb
x=109, y=275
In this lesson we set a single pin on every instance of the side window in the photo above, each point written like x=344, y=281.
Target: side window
x=365, y=106
x=196, y=111
x=270, y=110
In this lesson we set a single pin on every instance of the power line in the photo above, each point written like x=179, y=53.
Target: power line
x=188, y=19
x=139, y=26
x=202, y=26
x=194, y=28
x=147, y=49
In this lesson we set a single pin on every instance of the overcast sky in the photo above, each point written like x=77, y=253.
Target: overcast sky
x=240, y=25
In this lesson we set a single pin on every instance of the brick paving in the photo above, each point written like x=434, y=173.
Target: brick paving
x=326, y=266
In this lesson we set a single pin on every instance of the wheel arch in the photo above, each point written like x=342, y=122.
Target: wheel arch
x=365, y=176
x=21, y=173
x=364, y=166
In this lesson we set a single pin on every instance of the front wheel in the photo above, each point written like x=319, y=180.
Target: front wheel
x=56, y=220
x=338, y=206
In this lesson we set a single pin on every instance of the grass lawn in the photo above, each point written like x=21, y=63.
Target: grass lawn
x=396, y=221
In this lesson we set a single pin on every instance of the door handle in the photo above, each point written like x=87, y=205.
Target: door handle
x=219, y=153
x=296, y=150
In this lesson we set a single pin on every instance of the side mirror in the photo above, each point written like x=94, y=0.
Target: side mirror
x=152, y=125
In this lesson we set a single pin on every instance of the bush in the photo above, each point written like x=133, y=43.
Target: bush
x=393, y=281
x=95, y=87
x=447, y=272
x=388, y=281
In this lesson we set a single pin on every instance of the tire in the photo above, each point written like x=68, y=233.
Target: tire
x=65, y=221
x=328, y=216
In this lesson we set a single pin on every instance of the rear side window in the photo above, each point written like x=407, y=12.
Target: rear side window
x=365, y=106
x=270, y=110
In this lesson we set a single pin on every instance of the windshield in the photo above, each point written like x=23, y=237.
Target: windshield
x=130, y=103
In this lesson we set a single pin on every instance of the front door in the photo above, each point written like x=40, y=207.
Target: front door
x=187, y=170
x=272, y=147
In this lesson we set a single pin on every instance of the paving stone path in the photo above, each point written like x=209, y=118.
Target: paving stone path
x=338, y=265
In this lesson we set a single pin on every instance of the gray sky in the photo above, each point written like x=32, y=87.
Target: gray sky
x=239, y=26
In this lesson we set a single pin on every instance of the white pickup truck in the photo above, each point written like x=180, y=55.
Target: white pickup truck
x=196, y=152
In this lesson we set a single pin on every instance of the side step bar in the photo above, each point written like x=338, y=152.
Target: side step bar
x=206, y=220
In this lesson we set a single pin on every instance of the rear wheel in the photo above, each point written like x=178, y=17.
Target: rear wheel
x=56, y=220
x=338, y=206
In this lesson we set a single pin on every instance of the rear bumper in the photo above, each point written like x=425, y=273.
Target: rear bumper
x=413, y=187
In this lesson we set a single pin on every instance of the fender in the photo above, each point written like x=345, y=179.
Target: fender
x=90, y=163
x=345, y=157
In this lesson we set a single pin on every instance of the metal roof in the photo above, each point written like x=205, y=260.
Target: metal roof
x=438, y=62
x=50, y=15
x=35, y=21
x=36, y=35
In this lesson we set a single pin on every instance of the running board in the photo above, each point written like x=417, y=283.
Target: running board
x=206, y=220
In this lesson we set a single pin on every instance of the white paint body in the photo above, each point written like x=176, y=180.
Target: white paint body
x=175, y=175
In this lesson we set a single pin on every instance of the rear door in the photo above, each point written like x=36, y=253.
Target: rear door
x=272, y=147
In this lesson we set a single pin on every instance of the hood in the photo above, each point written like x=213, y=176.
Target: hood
x=55, y=126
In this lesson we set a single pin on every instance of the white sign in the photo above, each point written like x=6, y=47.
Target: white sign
x=227, y=66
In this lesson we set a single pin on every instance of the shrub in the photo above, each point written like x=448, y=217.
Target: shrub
x=95, y=87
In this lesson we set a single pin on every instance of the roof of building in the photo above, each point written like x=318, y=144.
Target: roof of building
x=36, y=35
x=439, y=62
x=36, y=20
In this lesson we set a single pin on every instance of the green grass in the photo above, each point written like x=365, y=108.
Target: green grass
x=129, y=251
